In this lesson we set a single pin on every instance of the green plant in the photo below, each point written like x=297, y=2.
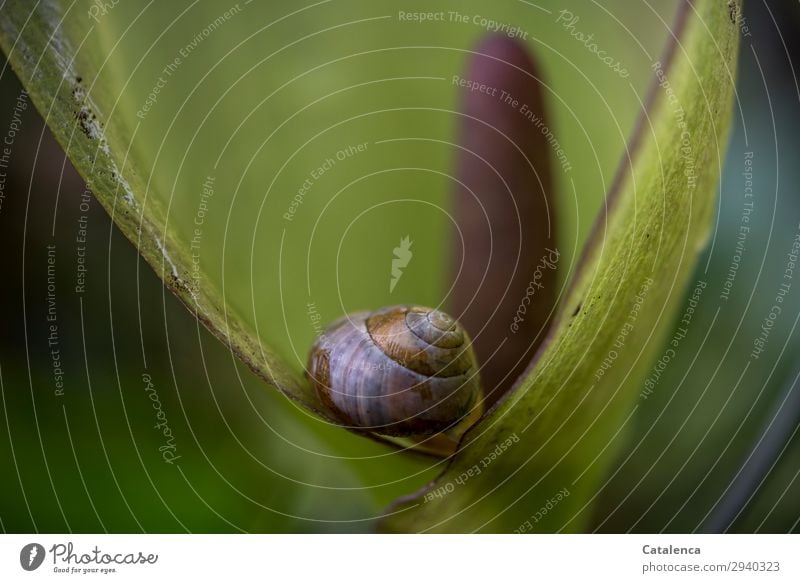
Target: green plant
x=633, y=269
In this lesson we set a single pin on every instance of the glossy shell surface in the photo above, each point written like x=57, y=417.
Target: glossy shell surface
x=402, y=370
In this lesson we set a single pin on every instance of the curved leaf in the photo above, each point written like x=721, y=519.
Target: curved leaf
x=90, y=76
x=535, y=461
x=149, y=99
x=38, y=46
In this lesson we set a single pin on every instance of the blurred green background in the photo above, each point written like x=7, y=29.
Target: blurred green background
x=259, y=104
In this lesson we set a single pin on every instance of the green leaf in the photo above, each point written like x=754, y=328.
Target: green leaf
x=259, y=95
x=39, y=44
x=337, y=73
x=536, y=461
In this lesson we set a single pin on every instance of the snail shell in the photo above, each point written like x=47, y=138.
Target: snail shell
x=400, y=371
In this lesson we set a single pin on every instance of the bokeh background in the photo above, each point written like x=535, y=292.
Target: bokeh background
x=260, y=103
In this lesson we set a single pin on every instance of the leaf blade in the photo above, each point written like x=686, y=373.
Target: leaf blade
x=535, y=462
x=37, y=45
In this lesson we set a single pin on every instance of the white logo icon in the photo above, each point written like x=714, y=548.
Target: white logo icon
x=402, y=255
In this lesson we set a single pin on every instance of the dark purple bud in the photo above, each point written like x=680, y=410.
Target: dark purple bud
x=505, y=253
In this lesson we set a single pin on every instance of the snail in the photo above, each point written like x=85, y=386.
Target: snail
x=397, y=371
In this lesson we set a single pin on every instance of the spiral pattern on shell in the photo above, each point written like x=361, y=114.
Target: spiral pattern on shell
x=402, y=370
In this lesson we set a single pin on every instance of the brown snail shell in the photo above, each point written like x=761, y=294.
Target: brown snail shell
x=400, y=371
